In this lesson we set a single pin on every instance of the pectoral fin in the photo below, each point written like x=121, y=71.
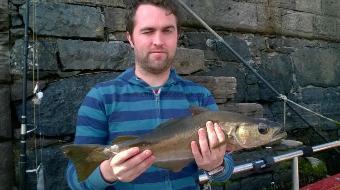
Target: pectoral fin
x=175, y=165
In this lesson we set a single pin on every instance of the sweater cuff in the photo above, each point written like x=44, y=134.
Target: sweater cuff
x=97, y=181
x=227, y=172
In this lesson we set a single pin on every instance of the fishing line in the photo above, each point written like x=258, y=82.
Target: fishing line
x=247, y=64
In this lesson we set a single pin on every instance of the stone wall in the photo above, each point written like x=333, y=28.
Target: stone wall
x=6, y=145
x=77, y=43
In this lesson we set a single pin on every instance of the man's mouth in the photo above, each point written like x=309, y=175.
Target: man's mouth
x=157, y=52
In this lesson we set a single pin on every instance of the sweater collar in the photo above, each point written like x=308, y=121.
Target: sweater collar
x=130, y=77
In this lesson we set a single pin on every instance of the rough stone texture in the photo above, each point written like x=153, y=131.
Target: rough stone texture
x=110, y=3
x=53, y=19
x=188, y=61
x=5, y=110
x=115, y=19
x=66, y=95
x=222, y=88
x=84, y=55
x=54, y=164
x=317, y=66
x=223, y=13
x=4, y=43
x=43, y=52
x=291, y=43
x=6, y=166
x=301, y=18
x=16, y=89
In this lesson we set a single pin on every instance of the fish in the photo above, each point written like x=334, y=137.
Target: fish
x=170, y=141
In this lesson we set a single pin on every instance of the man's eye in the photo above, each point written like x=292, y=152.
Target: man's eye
x=147, y=32
x=168, y=31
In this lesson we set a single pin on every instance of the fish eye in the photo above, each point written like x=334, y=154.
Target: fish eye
x=263, y=129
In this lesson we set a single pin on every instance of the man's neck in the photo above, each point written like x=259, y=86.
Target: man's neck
x=152, y=79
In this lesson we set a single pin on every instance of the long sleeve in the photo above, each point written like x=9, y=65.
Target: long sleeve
x=228, y=169
x=91, y=129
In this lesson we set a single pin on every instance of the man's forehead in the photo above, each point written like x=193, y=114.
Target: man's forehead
x=152, y=13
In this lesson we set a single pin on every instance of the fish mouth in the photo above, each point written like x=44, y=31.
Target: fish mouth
x=279, y=134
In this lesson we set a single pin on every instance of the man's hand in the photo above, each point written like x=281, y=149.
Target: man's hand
x=127, y=165
x=208, y=158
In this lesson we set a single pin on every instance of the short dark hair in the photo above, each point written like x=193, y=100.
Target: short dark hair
x=134, y=4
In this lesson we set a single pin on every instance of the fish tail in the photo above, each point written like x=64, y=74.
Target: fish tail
x=85, y=157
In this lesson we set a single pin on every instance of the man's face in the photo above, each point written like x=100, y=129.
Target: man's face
x=154, y=38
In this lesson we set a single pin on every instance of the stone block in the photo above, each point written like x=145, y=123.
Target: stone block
x=43, y=52
x=297, y=22
x=317, y=67
x=222, y=14
x=62, y=99
x=5, y=110
x=54, y=165
x=4, y=22
x=325, y=26
x=7, y=165
x=309, y=6
x=115, y=19
x=4, y=58
x=91, y=55
x=53, y=19
x=188, y=61
x=338, y=28
x=286, y=4
x=4, y=71
x=118, y=36
x=331, y=8
x=104, y=3
x=222, y=88
x=16, y=89
x=278, y=70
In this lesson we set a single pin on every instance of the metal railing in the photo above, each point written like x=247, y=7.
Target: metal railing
x=268, y=161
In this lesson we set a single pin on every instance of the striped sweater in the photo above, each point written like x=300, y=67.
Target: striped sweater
x=129, y=106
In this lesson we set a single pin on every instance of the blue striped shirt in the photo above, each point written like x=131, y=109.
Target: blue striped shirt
x=129, y=106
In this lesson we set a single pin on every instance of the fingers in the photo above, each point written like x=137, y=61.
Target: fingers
x=213, y=140
x=125, y=155
x=210, y=152
x=219, y=133
x=203, y=142
x=196, y=152
x=138, y=169
x=129, y=164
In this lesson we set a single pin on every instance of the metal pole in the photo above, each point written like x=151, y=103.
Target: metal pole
x=249, y=166
x=295, y=173
x=23, y=155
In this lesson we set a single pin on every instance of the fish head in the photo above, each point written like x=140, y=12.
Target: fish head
x=256, y=133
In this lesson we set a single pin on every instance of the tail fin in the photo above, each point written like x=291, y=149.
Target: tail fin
x=85, y=157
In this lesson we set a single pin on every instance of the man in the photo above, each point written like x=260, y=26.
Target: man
x=138, y=101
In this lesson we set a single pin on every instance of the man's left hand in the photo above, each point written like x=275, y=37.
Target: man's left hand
x=206, y=157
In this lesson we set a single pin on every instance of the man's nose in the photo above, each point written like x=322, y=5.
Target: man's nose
x=158, y=39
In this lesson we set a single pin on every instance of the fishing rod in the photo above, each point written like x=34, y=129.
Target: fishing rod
x=247, y=64
x=23, y=154
x=269, y=161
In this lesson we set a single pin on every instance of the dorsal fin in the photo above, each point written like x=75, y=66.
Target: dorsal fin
x=195, y=110
x=122, y=139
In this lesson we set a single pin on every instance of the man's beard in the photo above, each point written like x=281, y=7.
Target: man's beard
x=155, y=67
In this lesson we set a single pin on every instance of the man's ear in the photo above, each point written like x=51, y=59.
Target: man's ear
x=129, y=37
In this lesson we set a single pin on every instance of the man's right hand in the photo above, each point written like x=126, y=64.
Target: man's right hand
x=127, y=165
